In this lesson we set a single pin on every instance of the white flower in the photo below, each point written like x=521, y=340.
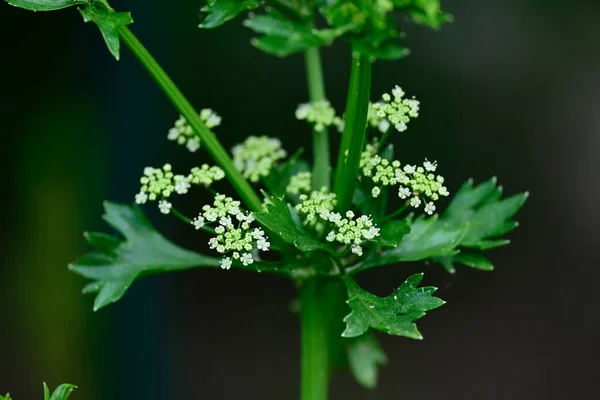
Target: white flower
x=164, y=206
x=198, y=222
x=415, y=202
x=246, y=259
x=225, y=221
x=443, y=191
x=356, y=249
x=141, y=198
x=429, y=208
x=375, y=191
x=410, y=169
x=257, y=234
x=430, y=166
x=403, y=192
x=193, y=144
x=182, y=185
x=263, y=245
x=330, y=236
x=226, y=263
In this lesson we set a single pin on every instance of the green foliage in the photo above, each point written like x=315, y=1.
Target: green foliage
x=116, y=264
x=7, y=397
x=220, y=11
x=280, y=175
x=109, y=22
x=365, y=356
x=393, y=314
x=278, y=219
x=474, y=221
x=61, y=393
x=288, y=25
x=46, y=5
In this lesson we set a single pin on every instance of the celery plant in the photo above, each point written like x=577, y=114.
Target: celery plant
x=324, y=231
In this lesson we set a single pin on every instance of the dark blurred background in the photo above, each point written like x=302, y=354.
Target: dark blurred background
x=511, y=89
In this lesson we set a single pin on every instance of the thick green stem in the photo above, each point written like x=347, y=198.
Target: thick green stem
x=209, y=140
x=316, y=92
x=315, y=347
x=353, y=139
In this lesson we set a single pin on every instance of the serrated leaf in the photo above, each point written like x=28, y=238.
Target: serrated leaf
x=220, y=11
x=470, y=259
x=46, y=5
x=386, y=51
x=116, y=264
x=365, y=356
x=108, y=21
x=279, y=221
x=63, y=392
x=486, y=214
x=392, y=232
x=394, y=314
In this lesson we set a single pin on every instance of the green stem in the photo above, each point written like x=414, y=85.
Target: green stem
x=316, y=92
x=209, y=140
x=394, y=214
x=353, y=138
x=315, y=354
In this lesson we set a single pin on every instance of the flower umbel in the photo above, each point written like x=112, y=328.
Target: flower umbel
x=235, y=237
x=320, y=113
x=256, y=156
x=183, y=133
x=301, y=182
x=396, y=109
x=350, y=231
x=319, y=203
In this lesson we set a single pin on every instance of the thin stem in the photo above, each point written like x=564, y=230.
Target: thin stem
x=315, y=354
x=188, y=220
x=316, y=92
x=209, y=140
x=353, y=138
x=394, y=214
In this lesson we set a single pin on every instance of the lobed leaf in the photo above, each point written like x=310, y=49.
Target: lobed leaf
x=394, y=314
x=220, y=11
x=365, y=356
x=108, y=21
x=116, y=264
x=278, y=219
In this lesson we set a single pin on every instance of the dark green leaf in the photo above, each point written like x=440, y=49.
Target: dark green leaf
x=393, y=232
x=108, y=21
x=483, y=213
x=46, y=5
x=365, y=356
x=428, y=12
x=115, y=264
x=470, y=259
x=7, y=397
x=279, y=221
x=221, y=11
x=386, y=51
x=393, y=314
x=428, y=238
x=279, y=177
x=61, y=393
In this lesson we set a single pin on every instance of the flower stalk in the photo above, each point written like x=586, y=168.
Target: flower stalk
x=209, y=140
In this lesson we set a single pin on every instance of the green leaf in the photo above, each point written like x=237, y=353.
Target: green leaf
x=483, y=213
x=46, y=5
x=108, y=21
x=428, y=12
x=428, y=238
x=365, y=356
x=221, y=11
x=279, y=221
x=385, y=51
x=7, y=397
x=279, y=177
x=116, y=264
x=393, y=232
x=470, y=259
x=61, y=393
x=393, y=314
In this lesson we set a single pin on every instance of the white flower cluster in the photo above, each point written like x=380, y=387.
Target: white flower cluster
x=320, y=113
x=413, y=181
x=319, y=203
x=374, y=120
x=350, y=231
x=257, y=155
x=161, y=183
x=183, y=133
x=234, y=232
x=397, y=110
x=301, y=182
